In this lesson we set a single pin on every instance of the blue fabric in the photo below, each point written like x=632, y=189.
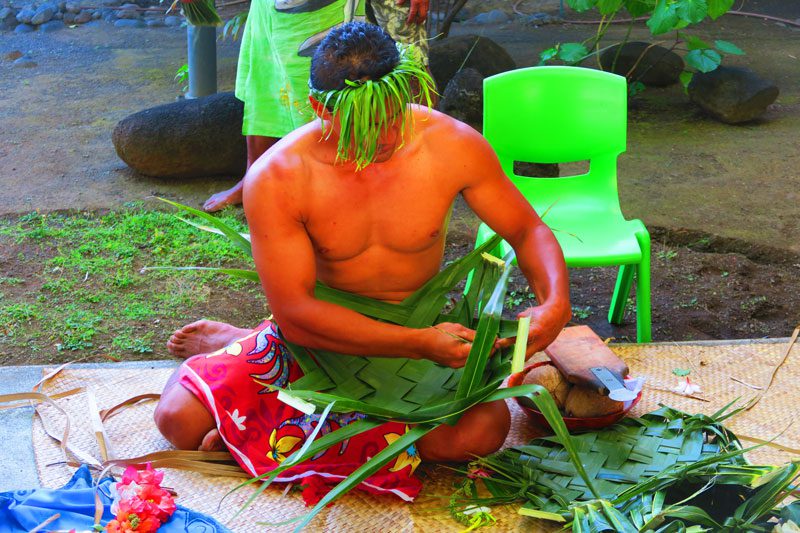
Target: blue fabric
x=22, y=510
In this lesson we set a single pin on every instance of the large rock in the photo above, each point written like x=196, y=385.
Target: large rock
x=43, y=14
x=8, y=19
x=485, y=56
x=732, y=94
x=200, y=137
x=463, y=98
x=658, y=67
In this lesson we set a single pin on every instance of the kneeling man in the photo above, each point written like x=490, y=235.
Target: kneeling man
x=359, y=201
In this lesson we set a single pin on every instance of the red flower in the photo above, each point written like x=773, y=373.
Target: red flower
x=133, y=524
x=143, y=505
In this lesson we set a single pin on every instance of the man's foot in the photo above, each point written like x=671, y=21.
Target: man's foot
x=212, y=442
x=232, y=196
x=203, y=336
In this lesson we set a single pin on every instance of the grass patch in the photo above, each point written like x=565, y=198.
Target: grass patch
x=85, y=295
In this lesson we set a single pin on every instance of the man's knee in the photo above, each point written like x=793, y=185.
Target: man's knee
x=486, y=430
x=480, y=432
x=181, y=418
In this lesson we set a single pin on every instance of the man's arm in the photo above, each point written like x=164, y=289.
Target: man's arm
x=284, y=258
x=496, y=200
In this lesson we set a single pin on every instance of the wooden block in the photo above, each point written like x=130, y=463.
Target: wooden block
x=577, y=349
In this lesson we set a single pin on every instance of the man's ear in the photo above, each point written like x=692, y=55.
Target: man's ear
x=319, y=108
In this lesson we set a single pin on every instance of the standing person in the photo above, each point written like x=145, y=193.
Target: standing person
x=279, y=38
x=359, y=203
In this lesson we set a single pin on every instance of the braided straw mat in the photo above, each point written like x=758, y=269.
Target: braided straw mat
x=725, y=371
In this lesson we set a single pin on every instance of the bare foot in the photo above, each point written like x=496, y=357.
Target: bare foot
x=212, y=442
x=203, y=336
x=232, y=196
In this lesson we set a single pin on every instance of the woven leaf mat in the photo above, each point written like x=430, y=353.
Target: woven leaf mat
x=132, y=433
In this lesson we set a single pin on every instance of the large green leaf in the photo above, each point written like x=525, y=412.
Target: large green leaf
x=728, y=48
x=637, y=8
x=703, y=60
x=717, y=8
x=691, y=11
x=485, y=336
x=609, y=7
x=664, y=18
x=572, y=52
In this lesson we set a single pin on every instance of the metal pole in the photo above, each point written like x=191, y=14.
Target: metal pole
x=561, y=9
x=202, y=45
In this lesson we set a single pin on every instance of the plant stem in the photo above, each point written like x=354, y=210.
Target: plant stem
x=621, y=44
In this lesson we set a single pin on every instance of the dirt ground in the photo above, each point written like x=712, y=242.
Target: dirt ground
x=721, y=201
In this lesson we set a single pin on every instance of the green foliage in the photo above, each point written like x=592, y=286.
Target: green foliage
x=662, y=17
x=234, y=26
x=581, y=313
x=88, y=294
x=182, y=77
x=657, y=473
x=367, y=108
x=199, y=12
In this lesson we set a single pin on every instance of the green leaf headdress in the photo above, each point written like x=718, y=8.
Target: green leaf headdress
x=366, y=108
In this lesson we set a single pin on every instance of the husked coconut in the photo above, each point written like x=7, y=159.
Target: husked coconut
x=551, y=379
x=583, y=402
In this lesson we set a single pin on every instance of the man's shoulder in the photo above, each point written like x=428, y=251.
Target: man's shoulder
x=444, y=132
x=286, y=160
x=433, y=121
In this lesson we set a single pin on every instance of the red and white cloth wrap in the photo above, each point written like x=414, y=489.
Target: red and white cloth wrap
x=261, y=431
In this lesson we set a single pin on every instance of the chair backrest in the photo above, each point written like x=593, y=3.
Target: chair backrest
x=559, y=114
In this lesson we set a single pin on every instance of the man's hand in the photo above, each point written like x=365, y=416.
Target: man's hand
x=449, y=344
x=418, y=12
x=546, y=323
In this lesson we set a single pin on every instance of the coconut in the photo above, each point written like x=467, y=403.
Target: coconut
x=551, y=379
x=583, y=402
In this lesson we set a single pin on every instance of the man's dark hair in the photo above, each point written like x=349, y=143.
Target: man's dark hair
x=354, y=51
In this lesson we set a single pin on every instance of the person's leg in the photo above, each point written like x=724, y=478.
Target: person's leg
x=256, y=146
x=480, y=432
x=203, y=336
x=184, y=420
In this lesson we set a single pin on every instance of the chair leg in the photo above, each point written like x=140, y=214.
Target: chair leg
x=643, y=319
x=621, y=291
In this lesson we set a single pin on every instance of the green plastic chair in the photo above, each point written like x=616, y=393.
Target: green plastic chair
x=566, y=114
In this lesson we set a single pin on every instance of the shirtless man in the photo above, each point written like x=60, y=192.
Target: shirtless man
x=377, y=232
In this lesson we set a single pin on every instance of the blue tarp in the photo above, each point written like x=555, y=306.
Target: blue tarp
x=23, y=510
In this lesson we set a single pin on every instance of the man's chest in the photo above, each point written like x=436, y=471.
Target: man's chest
x=401, y=215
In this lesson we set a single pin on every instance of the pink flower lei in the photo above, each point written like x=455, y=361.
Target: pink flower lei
x=142, y=505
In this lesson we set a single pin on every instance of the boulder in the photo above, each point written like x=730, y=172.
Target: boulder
x=658, y=67
x=53, y=25
x=128, y=11
x=129, y=23
x=473, y=8
x=463, y=98
x=495, y=16
x=43, y=14
x=25, y=15
x=83, y=17
x=732, y=94
x=8, y=19
x=485, y=56
x=188, y=138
